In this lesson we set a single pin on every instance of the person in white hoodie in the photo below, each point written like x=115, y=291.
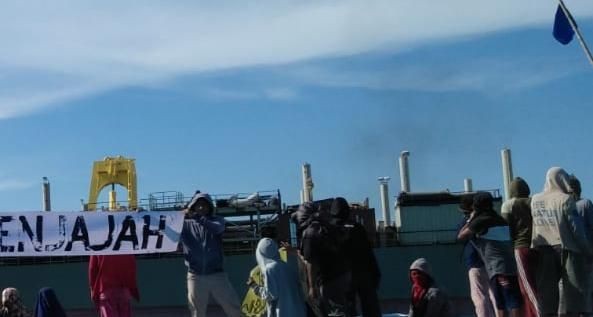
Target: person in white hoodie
x=281, y=289
x=561, y=243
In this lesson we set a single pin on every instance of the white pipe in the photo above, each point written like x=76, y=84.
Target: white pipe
x=468, y=185
x=384, y=188
x=404, y=171
x=46, y=195
x=307, y=183
x=507, y=171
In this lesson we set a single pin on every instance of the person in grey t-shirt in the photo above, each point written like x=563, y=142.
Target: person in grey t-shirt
x=491, y=239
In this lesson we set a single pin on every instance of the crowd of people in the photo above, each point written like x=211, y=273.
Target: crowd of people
x=336, y=260
x=532, y=259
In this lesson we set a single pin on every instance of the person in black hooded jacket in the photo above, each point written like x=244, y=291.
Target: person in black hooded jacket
x=365, y=273
x=327, y=266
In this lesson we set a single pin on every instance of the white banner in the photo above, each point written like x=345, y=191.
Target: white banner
x=88, y=233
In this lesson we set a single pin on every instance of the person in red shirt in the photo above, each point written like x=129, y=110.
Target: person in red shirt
x=112, y=281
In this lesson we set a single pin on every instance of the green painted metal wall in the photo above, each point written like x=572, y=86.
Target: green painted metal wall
x=162, y=281
x=448, y=269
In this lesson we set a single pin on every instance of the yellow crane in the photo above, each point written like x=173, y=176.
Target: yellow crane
x=116, y=170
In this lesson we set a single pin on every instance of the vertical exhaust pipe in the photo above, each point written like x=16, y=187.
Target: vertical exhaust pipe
x=112, y=198
x=468, y=185
x=45, y=190
x=384, y=188
x=404, y=171
x=507, y=171
x=307, y=183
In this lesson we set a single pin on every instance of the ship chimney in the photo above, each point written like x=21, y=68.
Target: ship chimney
x=307, y=183
x=404, y=171
x=46, y=194
x=112, y=198
x=384, y=188
x=507, y=171
x=468, y=185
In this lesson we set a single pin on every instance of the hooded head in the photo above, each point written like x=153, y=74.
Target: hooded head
x=483, y=203
x=340, y=209
x=303, y=215
x=269, y=232
x=420, y=276
x=48, y=304
x=422, y=265
x=519, y=188
x=201, y=203
x=266, y=252
x=557, y=181
x=575, y=186
x=466, y=204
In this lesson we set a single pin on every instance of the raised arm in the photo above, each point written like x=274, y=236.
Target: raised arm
x=213, y=224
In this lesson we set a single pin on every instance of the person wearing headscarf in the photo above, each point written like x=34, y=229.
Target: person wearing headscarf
x=12, y=305
x=517, y=212
x=427, y=300
x=560, y=239
x=489, y=233
x=201, y=239
x=365, y=271
x=48, y=304
x=280, y=289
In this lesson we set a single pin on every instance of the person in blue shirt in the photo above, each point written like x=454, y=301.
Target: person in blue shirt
x=201, y=239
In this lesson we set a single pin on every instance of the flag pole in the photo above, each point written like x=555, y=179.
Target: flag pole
x=575, y=28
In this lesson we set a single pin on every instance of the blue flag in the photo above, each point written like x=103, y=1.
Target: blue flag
x=563, y=32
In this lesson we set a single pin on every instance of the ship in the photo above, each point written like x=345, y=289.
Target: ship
x=425, y=225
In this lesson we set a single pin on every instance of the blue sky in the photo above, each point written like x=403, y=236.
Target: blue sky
x=228, y=99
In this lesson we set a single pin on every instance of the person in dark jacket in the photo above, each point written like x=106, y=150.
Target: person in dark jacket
x=328, y=266
x=365, y=271
x=427, y=299
x=48, y=304
x=201, y=239
x=302, y=218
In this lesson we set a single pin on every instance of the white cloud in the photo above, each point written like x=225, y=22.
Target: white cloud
x=485, y=75
x=227, y=94
x=281, y=93
x=55, y=51
x=13, y=184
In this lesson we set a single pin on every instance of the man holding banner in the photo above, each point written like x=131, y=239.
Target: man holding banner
x=201, y=239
